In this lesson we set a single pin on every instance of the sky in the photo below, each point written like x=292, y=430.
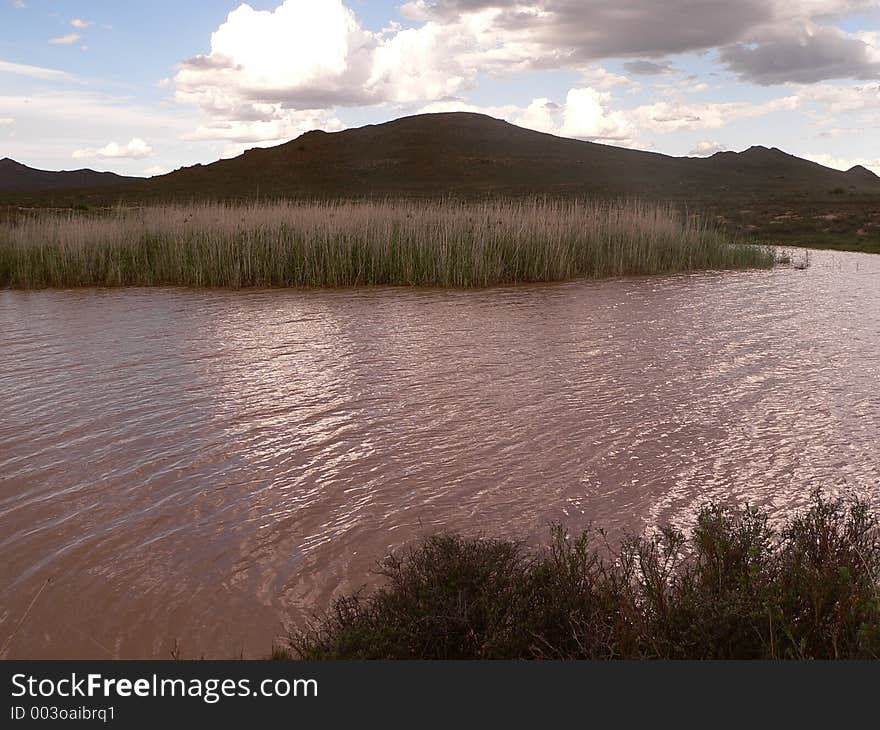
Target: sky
x=144, y=88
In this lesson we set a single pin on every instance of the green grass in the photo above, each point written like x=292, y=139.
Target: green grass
x=734, y=588
x=825, y=241
x=446, y=244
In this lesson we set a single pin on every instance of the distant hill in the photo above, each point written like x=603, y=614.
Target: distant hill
x=463, y=154
x=475, y=155
x=18, y=178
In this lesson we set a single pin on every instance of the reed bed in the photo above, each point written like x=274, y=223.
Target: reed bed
x=345, y=244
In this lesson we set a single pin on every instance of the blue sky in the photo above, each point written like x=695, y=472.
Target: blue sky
x=142, y=88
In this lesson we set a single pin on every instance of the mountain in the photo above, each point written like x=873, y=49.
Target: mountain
x=859, y=174
x=460, y=154
x=474, y=155
x=18, y=178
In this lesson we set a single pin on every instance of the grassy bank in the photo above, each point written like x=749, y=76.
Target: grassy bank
x=828, y=242
x=734, y=588
x=447, y=244
x=835, y=222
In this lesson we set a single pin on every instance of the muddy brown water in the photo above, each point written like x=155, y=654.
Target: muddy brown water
x=209, y=468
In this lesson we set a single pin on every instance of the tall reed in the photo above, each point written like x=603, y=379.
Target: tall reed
x=446, y=243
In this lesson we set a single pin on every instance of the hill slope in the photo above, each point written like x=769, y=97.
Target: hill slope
x=18, y=178
x=462, y=154
x=474, y=155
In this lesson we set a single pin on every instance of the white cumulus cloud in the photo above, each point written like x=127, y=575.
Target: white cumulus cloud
x=589, y=114
x=707, y=148
x=136, y=149
x=585, y=114
x=672, y=116
x=267, y=67
x=844, y=163
x=280, y=125
x=155, y=170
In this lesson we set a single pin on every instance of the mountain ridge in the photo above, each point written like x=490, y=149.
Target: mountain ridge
x=16, y=177
x=472, y=155
x=467, y=154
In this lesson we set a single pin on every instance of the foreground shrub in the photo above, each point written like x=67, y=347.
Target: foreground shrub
x=734, y=589
x=449, y=244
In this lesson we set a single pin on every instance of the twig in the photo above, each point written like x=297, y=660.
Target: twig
x=23, y=618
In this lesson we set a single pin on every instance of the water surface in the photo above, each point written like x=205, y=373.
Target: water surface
x=211, y=467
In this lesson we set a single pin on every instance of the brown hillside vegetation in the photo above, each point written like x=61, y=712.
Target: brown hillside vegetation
x=475, y=155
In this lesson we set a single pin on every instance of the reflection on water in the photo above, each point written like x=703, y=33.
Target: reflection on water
x=210, y=467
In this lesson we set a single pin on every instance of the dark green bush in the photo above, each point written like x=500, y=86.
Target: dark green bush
x=735, y=588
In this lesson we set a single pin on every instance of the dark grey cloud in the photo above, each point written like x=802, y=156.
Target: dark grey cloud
x=766, y=41
x=593, y=29
x=599, y=29
x=214, y=62
x=647, y=68
x=825, y=53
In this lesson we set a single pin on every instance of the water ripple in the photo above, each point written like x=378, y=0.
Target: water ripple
x=207, y=466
